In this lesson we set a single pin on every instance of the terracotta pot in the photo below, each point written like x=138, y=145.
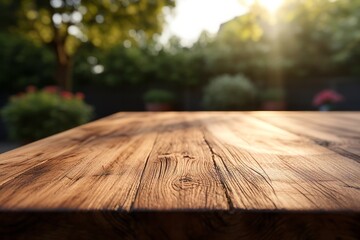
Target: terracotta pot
x=158, y=107
x=274, y=106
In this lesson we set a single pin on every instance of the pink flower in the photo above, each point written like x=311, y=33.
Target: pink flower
x=80, y=95
x=30, y=89
x=327, y=96
x=51, y=89
x=66, y=95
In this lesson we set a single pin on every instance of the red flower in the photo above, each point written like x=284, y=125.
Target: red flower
x=51, y=89
x=80, y=95
x=30, y=89
x=327, y=96
x=66, y=95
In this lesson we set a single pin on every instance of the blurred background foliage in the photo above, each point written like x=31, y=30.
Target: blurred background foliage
x=64, y=26
x=230, y=93
x=308, y=38
x=37, y=114
x=112, y=46
x=112, y=51
x=24, y=63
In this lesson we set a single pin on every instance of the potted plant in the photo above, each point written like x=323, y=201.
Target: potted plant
x=158, y=100
x=326, y=99
x=230, y=93
x=36, y=114
x=273, y=100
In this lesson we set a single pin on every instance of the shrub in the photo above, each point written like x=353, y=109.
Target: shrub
x=24, y=63
x=37, y=114
x=158, y=96
x=229, y=93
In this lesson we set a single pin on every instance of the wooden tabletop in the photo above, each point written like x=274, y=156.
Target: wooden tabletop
x=237, y=162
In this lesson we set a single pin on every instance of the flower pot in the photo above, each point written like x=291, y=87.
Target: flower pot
x=274, y=106
x=158, y=107
x=325, y=108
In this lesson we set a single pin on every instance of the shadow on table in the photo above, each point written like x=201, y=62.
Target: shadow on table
x=178, y=225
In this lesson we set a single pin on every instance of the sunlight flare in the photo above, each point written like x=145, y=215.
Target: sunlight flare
x=271, y=5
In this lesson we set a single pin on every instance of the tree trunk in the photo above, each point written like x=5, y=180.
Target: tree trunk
x=63, y=74
x=64, y=66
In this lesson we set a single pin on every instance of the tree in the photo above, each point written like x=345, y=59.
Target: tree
x=302, y=39
x=24, y=63
x=64, y=25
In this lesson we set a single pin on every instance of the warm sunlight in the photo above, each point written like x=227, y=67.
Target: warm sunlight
x=271, y=5
x=191, y=17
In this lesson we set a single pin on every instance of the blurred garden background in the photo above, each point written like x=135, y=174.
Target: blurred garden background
x=66, y=62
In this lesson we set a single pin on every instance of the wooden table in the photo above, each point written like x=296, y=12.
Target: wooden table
x=200, y=175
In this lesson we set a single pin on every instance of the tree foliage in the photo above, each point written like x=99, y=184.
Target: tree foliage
x=65, y=25
x=305, y=39
x=24, y=63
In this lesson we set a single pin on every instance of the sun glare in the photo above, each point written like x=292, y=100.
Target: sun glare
x=271, y=5
x=193, y=16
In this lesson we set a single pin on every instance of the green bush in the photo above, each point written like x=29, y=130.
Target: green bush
x=24, y=63
x=229, y=93
x=37, y=114
x=158, y=96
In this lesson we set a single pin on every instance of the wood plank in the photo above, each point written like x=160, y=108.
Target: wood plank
x=22, y=159
x=101, y=170
x=267, y=168
x=187, y=161
x=208, y=175
x=339, y=132
x=180, y=173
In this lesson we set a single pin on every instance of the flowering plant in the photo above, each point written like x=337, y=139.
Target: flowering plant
x=327, y=97
x=37, y=114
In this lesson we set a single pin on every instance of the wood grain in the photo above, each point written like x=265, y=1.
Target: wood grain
x=238, y=175
x=101, y=170
x=336, y=131
x=179, y=172
x=265, y=167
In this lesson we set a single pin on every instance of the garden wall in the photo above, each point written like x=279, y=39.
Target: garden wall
x=107, y=101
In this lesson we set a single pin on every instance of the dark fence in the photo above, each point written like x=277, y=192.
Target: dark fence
x=300, y=93
x=107, y=101
x=130, y=98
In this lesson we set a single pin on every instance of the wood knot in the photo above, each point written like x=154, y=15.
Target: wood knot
x=185, y=183
x=185, y=179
